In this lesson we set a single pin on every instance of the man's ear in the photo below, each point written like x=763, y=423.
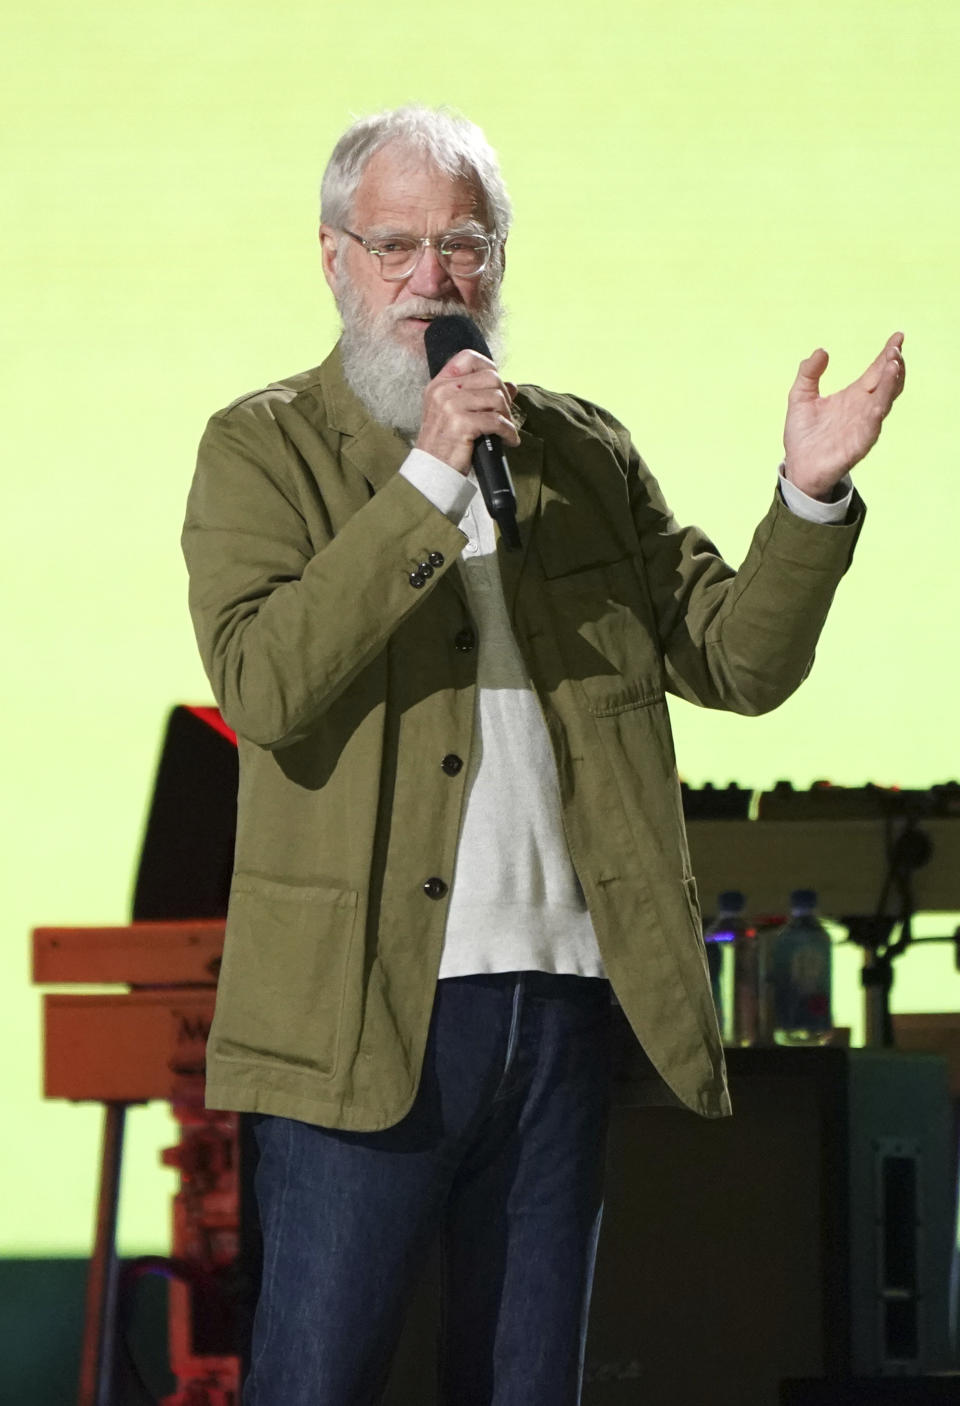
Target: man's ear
x=328, y=254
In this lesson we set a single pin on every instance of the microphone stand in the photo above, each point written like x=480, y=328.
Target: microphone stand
x=910, y=850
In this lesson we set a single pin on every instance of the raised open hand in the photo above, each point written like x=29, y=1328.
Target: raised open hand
x=824, y=436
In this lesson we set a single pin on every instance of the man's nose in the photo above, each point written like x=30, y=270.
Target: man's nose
x=430, y=279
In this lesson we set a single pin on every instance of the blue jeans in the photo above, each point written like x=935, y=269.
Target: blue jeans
x=502, y=1154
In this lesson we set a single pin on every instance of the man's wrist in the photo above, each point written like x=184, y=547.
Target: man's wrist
x=821, y=492
x=445, y=487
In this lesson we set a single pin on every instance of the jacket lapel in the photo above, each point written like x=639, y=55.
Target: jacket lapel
x=526, y=470
x=375, y=451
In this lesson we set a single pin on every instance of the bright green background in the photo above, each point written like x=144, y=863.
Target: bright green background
x=703, y=194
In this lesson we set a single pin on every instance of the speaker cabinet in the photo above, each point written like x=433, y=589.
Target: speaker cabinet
x=810, y=1235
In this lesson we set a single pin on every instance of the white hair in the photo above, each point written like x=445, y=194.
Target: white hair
x=446, y=140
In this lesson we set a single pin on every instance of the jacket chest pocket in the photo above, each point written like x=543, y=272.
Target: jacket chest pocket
x=604, y=629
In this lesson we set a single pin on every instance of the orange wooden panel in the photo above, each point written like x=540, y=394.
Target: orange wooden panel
x=124, y=1047
x=141, y=954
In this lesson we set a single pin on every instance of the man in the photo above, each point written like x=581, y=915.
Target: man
x=459, y=821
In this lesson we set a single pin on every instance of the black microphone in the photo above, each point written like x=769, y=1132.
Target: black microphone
x=443, y=339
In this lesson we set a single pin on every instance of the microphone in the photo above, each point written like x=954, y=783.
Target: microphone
x=444, y=337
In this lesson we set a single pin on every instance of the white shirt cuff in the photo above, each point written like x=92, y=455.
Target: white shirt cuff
x=812, y=508
x=446, y=488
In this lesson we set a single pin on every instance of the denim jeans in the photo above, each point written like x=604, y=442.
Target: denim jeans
x=502, y=1155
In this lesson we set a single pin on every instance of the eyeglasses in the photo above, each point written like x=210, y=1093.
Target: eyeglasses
x=397, y=255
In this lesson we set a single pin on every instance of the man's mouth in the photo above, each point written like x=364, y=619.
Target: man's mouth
x=420, y=317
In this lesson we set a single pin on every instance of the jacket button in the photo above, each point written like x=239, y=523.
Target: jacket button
x=465, y=640
x=451, y=763
x=425, y=570
x=416, y=580
x=434, y=888
x=436, y=559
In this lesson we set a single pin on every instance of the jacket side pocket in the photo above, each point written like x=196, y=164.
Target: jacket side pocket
x=286, y=969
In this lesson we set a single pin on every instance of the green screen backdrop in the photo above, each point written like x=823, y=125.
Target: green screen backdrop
x=703, y=193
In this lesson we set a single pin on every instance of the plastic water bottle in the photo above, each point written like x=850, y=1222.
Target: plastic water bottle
x=801, y=975
x=733, y=962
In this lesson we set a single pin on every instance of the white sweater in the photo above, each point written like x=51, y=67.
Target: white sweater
x=515, y=902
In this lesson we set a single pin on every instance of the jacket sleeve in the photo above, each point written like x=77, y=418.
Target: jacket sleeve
x=287, y=607
x=740, y=640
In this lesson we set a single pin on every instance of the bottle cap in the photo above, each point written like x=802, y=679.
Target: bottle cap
x=804, y=900
x=731, y=901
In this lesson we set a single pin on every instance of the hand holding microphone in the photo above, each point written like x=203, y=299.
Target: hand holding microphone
x=466, y=415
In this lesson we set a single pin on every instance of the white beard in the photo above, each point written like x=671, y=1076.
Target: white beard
x=387, y=376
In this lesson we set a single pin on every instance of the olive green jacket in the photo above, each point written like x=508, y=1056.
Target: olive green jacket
x=348, y=677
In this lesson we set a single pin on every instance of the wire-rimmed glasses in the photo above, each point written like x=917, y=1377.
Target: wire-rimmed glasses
x=464, y=254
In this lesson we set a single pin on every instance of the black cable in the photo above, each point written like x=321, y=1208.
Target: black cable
x=131, y=1273
x=911, y=850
